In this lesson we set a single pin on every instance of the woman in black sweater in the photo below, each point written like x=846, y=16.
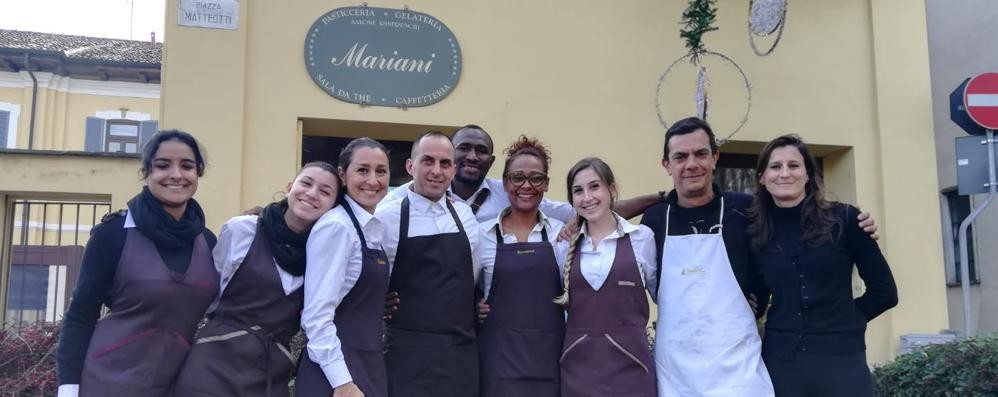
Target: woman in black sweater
x=806, y=248
x=152, y=267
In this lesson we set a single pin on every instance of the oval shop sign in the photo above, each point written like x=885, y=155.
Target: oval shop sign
x=382, y=57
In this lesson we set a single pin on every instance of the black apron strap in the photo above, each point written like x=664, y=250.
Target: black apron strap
x=356, y=225
x=453, y=213
x=482, y=196
x=404, y=219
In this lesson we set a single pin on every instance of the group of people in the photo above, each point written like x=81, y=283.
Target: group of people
x=457, y=284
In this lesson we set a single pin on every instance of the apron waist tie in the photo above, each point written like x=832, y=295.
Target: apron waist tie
x=267, y=339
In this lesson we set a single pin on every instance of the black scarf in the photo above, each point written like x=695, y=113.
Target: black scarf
x=287, y=246
x=160, y=227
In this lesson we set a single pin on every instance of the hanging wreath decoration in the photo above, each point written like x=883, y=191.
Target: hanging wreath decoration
x=698, y=19
x=766, y=17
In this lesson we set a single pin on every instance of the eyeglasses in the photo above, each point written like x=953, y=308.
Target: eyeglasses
x=536, y=179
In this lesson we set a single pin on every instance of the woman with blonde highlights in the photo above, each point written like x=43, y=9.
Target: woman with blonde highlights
x=609, y=265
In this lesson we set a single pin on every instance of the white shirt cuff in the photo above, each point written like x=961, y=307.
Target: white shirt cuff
x=337, y=373
x=68, y=391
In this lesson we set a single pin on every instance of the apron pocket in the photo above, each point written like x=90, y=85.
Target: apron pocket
x=571, y=345
x=120, y=345
x=416, y=355
x=281, y=363
x=627, y=353
x=528, y=353
x=127, y=361
x=631, y=298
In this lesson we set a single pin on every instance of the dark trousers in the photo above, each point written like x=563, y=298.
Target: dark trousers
x=818, y=375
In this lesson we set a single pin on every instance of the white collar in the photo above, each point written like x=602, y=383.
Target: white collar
x=129, y=221
x=544, y=224
x=363, y=217
x=623, y=227
x=424, y=204
x=484, y=186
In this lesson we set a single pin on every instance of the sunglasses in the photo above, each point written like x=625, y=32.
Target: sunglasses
x=536, y=179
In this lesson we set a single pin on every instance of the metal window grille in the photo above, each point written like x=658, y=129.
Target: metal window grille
x=46, y=250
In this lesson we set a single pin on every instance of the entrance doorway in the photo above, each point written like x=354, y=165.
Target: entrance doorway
x=323, y=139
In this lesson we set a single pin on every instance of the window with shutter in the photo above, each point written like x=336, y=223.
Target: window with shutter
x=121, y=136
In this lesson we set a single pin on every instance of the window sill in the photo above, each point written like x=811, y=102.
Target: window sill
x=74, y=153
x=954, y=284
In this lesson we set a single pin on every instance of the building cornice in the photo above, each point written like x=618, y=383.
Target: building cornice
x=70, y=85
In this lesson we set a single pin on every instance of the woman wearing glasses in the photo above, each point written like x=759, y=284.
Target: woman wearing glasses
x=522, y=328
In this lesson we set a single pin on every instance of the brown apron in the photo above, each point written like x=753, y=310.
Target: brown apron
x=606, y=345
x=520, y=341
x=242, y=351
x=360, y=328
x=138, y=348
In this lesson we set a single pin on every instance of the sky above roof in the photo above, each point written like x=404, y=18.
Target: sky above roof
x=116, y=19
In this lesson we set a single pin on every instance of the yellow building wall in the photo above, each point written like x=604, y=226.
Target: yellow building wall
x=582, y=76
x=51, y=176
x=10, y=95
x=61, y=116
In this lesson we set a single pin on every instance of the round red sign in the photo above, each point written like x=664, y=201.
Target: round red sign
x=981, y=100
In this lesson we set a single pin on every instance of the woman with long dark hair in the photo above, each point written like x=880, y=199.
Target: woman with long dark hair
x=243, y=350
x=806, y=248
x=520, y=339
x=152, y=267
x=609, y=265
x=345, y=284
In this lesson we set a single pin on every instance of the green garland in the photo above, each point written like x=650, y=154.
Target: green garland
x=697, y=20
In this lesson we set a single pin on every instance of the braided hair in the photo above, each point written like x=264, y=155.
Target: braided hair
x=606, y=174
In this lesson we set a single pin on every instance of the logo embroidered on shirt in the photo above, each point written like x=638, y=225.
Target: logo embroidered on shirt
x=521, y=252
x=382, y=262
x=626, y=283
x=693, y=270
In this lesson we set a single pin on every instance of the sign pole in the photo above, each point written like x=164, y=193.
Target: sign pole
x=964, y=265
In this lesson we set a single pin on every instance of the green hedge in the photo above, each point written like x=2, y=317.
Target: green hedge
x=967, y=367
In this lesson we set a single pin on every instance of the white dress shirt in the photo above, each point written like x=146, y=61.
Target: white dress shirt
x=426, y=217
x=334, y=262
x=495, y=202
x=234, y=243
x=487, y=247
x=595, y=262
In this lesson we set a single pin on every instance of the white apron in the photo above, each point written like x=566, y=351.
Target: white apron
x=706, y=341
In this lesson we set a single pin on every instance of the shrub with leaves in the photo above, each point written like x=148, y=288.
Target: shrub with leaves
x=27, y=359
x=967, y=367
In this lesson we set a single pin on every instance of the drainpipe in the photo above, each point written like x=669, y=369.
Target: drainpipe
x=34, y=102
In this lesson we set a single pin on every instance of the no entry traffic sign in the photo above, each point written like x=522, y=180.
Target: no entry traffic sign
x=981, y=100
